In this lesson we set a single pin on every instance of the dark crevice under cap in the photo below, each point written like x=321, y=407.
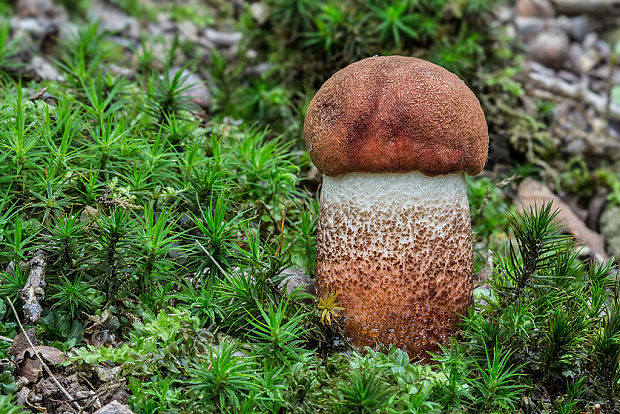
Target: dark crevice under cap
x=396, y=114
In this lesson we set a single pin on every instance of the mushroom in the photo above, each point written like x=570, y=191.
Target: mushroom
x=393, y=137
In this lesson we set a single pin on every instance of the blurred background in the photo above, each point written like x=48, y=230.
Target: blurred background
x=545, y=71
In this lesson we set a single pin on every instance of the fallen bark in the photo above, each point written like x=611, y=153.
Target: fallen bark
x=587, y=6
x=34, y=289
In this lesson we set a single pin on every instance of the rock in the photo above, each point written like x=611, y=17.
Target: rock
x=128, y=73
x=600, y=7
x=529, y=26
x=188, y=30
x=45, y=70
x=297, y=279
x=34, y=27
x=35, y=8
x=503, y=13
x=223, y=39
x=258, y=70
x=603, y=49
x=259, y=12
x=196, y=88
x=610, y=228
x=114, y=20
x=568, y=76
x=22, y=395
x=577, y=27
x=534, y=194
x=107, y=374
x=114, y=408
x=165, y=24
x=576, y=147
x=581, y=59
x=535, y=8
x=550, y=48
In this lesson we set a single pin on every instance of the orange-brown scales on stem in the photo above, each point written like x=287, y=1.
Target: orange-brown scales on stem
x=394, y=137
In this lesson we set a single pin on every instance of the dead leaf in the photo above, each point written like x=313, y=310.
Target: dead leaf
x=49, y=353
x=20, y=343
x=31, y=369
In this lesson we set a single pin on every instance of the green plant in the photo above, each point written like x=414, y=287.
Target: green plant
x=9, y=48
x=74, y=295
x=113, y=243
x=157, y=240
x=168, y=95
x=276, y=339
x=612, y=182
x=397, y=21
x=605, y=357
x=225, y=379
x=18, y=139
x=497, y=387
x=366, y=393
x=82, y=54
x=537, y=240
x=65, y=232
x=219, y=234
x=7, y=404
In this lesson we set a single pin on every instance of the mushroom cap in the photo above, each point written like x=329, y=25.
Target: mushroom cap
x=396, y=114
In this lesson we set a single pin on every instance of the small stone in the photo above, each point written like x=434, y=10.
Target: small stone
x=610, y=228
x=107, y=374
x=34, y=27
x=165, y=22
x=550, y=48
x=503, y=13
x=535, y=8
x=223, y=39
x=259, y=12
x=128, y=73
x=22, y=395
x=114, y=20
x=581, y=59
x=297, y=279
x=35, y=8
x=188, y=30
x=258, y=70
x=45, y=70
x=529, y=26
x=576, y=147
x=577, y=27
x=114, y=408
x=603, y=49
x=612, y=36
x=568, y=76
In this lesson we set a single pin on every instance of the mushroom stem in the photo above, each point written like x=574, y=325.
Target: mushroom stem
x=397, y=249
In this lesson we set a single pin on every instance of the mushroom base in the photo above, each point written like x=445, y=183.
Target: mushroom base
x=397, y=249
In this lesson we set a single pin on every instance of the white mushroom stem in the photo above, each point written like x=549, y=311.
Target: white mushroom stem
x=397, y=249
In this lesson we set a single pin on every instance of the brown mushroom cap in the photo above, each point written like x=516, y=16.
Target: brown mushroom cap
x=396, y=114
